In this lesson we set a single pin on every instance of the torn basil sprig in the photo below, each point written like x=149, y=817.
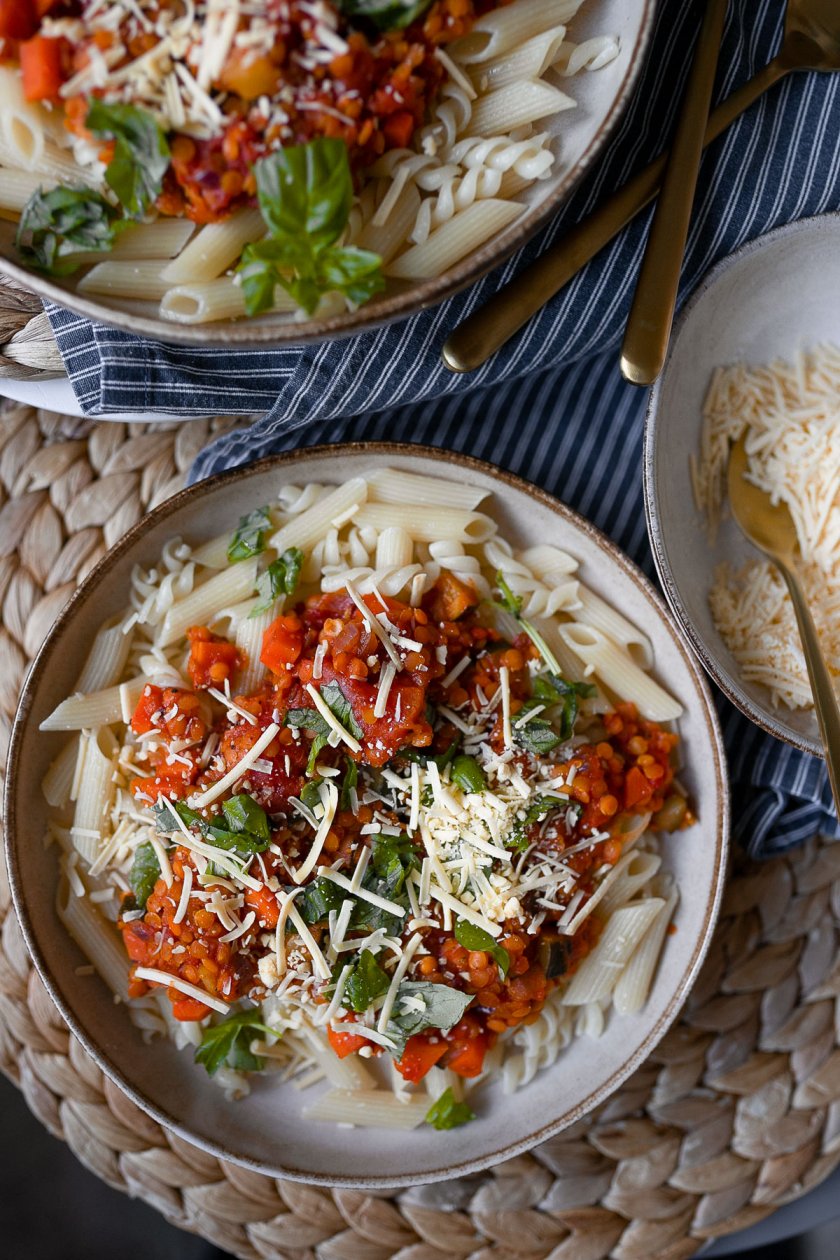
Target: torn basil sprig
x=305, y=192
x=243, y=829
x=228, y=1044
x=422, y=1004
x=249, y=539
x=142, y=877
x=365, y=984
x=476, y=939
x=318, y=726
x=280, y=578
x=448, y=1112
x=58, y=225
x=517, y=837
x=141, y=154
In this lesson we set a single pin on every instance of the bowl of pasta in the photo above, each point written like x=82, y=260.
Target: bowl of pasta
x=374, y=833
x=208, y=171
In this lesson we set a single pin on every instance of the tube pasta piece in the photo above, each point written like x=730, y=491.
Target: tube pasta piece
x=369, y=1108
x=201, y=605
x=527, y=61
x=57, y=783
x=25, y=125
x=215, y=248
x=248, y=638
x=499, y=31
x=394, y=548
x=96, y=937
x=306, y=529
x=387, y=239
x=17, y=186
x=597, y=975
x=388, y=485
x=454, y=239
x=427, y=524
x=619, y=672
x=140, y=280
x=213, y=554
x=633, y=985
x=98, y=708
x=106, y=660
x=639, y=871
x=204, y=301
x=165, y=238
x=96, y=793
x=596, y=612
x=548, y=562
x=516, y=105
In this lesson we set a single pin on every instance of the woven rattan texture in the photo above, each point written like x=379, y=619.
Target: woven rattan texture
x=736, y=1113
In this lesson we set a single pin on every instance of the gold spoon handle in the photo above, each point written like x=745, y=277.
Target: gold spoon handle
x=655, y=299
x=822, y=687
x=485, y=331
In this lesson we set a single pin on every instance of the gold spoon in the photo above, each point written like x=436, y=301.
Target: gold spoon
x=770, y=527
x=811, y=42
x=655, y=300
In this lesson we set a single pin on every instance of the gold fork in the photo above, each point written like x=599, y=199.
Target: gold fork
x=811, y=42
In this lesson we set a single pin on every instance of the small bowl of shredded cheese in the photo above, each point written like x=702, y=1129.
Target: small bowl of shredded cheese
x=756, y=352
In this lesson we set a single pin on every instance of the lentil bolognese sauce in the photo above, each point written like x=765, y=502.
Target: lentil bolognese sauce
x=406, y=832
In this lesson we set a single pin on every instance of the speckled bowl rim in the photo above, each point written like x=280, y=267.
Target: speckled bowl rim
x=762, y=717
x=385, y=310
x=51, y=644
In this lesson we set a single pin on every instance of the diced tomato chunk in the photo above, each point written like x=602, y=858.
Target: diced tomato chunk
x=637, y=789
x=419, y=1056
x=139, y=940
x=399, y=129
x=345, y=1043
x=468, y=1059
x=18, y=19
x=150, y=703
x=212, y=659
x=282, y=643
x=187, y=1008
x=41, y=67
x=172, y=781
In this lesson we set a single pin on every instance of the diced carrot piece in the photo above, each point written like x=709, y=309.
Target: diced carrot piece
x=419, y=1056
x=345, y=1043
x=264, y=902
x=188, y=1008
x=399, y=129
x=41, y=67
x=468, y=1059
x=212, y=659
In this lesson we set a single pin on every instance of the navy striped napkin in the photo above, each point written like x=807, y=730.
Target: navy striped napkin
x=551, y=406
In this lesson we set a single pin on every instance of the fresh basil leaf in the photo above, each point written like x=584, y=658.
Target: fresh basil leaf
x=320, y=729
x=473, y=937
x=422, y=755
x=442, y=1008
x=310, y=796
x=348, y=783
x=338, y=704
x=392, y=857
x=249, y=539
x=468, y=774
x=168, y=812
x=305, y=192
x=242, y=813
x=141, y=153
x=357, y=273
x=385, y=15
x=144, y=873
x=228, y=1044
x=366, y=983
x=517, y=837
x=553, y=690
x=318, y=744
x=317, y=899
x=537, y=736
x=63, y=222
x=280, y=578
x=447, y=1113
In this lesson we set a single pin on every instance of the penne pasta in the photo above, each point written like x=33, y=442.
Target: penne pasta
x=618, y=671
x=214, y=248
x=376, y=755
x=517, y=105
x=139, y=279
x=596, y=612
x=454, y=240
x=203, y=302
x=501, y=30
x=526, y=61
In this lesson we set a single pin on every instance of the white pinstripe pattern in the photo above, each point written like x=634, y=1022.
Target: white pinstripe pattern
x=545, y=408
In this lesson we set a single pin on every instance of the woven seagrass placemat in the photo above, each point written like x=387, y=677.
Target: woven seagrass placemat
x=735, y=1113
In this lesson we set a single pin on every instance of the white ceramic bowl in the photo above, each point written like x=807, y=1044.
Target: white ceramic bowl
x=771, y=298
x=266, y=1131
x=579, y=136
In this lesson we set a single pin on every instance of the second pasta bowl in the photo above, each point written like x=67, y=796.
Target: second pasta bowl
x=371, y=810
